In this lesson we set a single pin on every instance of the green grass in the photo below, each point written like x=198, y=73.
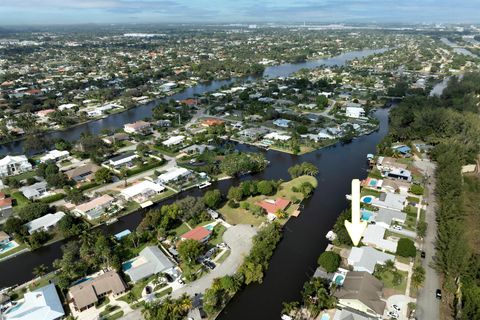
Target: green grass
x=242, y=216
x=217, y=235
x=108, y=309
x=183, y=228
x=20, y=199
x=103, y=302
x=164, y=195
x=14, y=250
x=369, y=192
x=223, y=257
x=387, y=278
x=25, y=175
x=115, y=316
x=409, y=210
x=411, y=222
x=163, y=293
x=413, y=199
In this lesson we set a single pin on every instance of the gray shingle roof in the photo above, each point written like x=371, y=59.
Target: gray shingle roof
x=155, y=261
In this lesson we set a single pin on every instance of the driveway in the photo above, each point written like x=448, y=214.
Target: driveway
x=239, y=239
x=404, y=232
x=427, y=305
x=400, y=301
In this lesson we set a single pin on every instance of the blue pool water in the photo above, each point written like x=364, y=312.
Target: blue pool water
x=14, y=307
x=81, y=280
x=367, y=199
x=339, y=279
x=373, y=182
x=9, y=245
x=366, y=215
x=127, y=265
x=325, y=316
x=209, y=227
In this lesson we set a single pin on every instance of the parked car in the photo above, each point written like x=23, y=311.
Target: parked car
x=438, y=294
x=393, y=314
x=395, y=227
x=181, y=281
x=423, y=254
x=209, y=264
x=396, y=307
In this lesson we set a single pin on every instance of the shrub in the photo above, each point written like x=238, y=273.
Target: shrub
x=406, y=248
x=416, y=189
x=330, y=261
x=233, y=204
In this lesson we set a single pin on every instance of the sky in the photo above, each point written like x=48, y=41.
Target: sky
x=26, y=12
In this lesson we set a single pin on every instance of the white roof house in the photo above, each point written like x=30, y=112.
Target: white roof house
x=385, y=217
x=354, y=112
x=391, y=201
x=35, y=190
x=12, y=165
x=40, y=304
x=122, y=159
x=366, y=258
x=150, y=261
x=277, y=136
x=374, y=236
x=172, y=141
x=94, y=208
x=141, y=191
x=66, y=106
x=174, y=174
x=45, y=222
x=55, y=155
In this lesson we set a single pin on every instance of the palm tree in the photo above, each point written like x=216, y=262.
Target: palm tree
x=40, y=271
x=124, y=175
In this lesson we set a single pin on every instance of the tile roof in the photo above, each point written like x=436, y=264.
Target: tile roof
x=199, y=233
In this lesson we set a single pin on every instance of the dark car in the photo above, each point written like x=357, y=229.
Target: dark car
x=423, y=254
x=209, y=264
x=438, y=294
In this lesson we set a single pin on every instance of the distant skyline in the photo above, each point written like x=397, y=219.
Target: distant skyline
x=28, y=12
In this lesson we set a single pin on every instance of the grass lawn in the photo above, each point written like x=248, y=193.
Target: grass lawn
x=411, y=222
x=183, y=228
x=108, y=310
x=404, y=260
x=413, y=199
x=103, y=302
x=20, y=199
x=115, y=316
x=368, y=192
x=409, y=210
x=217, y=234
x=163, y=293
x=25, y=175
x=165, y=194
x=242, y=216
x=223, y=257
x=14, y=250
x=387, y=278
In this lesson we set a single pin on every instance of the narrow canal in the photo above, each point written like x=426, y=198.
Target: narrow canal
x=304, y=237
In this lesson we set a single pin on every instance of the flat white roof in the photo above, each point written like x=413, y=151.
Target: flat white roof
x=173, y=174
x=45, y=221
x=140, y=188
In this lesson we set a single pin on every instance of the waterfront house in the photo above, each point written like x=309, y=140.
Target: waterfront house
x=403, y=149
x=151, y=260
x=395, y=186
x=253, y=133
x=374, y=236
x=349, y=315
x=117, y=137
x=93, y=209
x=211, y=122
x=40, y=304
x=85, y=294
x=386, y=217
x=366, y=258
x=174, y=174
x=35, y=191
x=277, y=136
x=122, y=160
x=44, y=223
x=13, y=165
x=354, y=112
x=200, y=234
x=391, y=201
x=54, y=156
x=399, y=174
x=66, y=106
x=138, y=127
x=362, y=292
x=4, y=238
x=173, y=141
x=85, y=172
x=43, y=114
x=387, y=164
x=141, y=191
x=272, y=207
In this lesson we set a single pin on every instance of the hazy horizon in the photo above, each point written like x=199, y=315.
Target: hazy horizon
x=51, y=12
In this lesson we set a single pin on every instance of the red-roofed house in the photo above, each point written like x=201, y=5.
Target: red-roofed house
x=212, y=122
x=199, y=233
x=189, y=102
x=273, y=206
x=44, y=113
x=5, y=207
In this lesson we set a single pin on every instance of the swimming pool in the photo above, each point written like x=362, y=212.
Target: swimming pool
x=209, y=227
x=8, y=246
x=18, y=305
x=366, y=215
x=127, y=265
x=367, y=199
x=325, y=316
x=373, y=182
x=339, y=279
x=81, y=280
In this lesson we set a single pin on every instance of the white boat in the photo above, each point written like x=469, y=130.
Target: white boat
x=204, y=185
x=113, y=220
x=348, y=196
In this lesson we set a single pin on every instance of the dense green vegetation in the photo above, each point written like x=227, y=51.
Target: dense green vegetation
x=451, y=124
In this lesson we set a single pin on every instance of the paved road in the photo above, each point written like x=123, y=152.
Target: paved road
x=239, y=239
x=427, y=305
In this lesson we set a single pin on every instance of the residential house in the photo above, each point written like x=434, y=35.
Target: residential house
x=93, y=209
x=164, y=123
x=13, y=165
x=117, y=137
x=173, y=174
x=151, y=260
x=138, y=127
x=173, y=141
x=391, y=201
x=277, y=136
x=366, y=258
x=272, y=207
x=54, y=156
x=345, y=314
x=5, y=207
x=43, y=114
x=85, y=294
x=354, y=112
x=374, y=236
x=403, y=149
x=399, y=174
x=35, y=191
x=44, y=223
x=362, y=292
x=283, y=123
x=200, y=234
x=395, y=186
x=122, y=159
x=85, y=172
x=387, y=164
x=66, y=106
x=141, y=191
x=40, y=304
x=253, y=133
x=385, y=217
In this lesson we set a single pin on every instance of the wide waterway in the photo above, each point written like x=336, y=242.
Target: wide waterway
x=295, y=258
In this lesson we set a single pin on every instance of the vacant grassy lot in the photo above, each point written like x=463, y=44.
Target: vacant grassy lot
x=388, y=280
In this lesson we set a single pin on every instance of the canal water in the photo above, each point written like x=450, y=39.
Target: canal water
x=295, y=258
